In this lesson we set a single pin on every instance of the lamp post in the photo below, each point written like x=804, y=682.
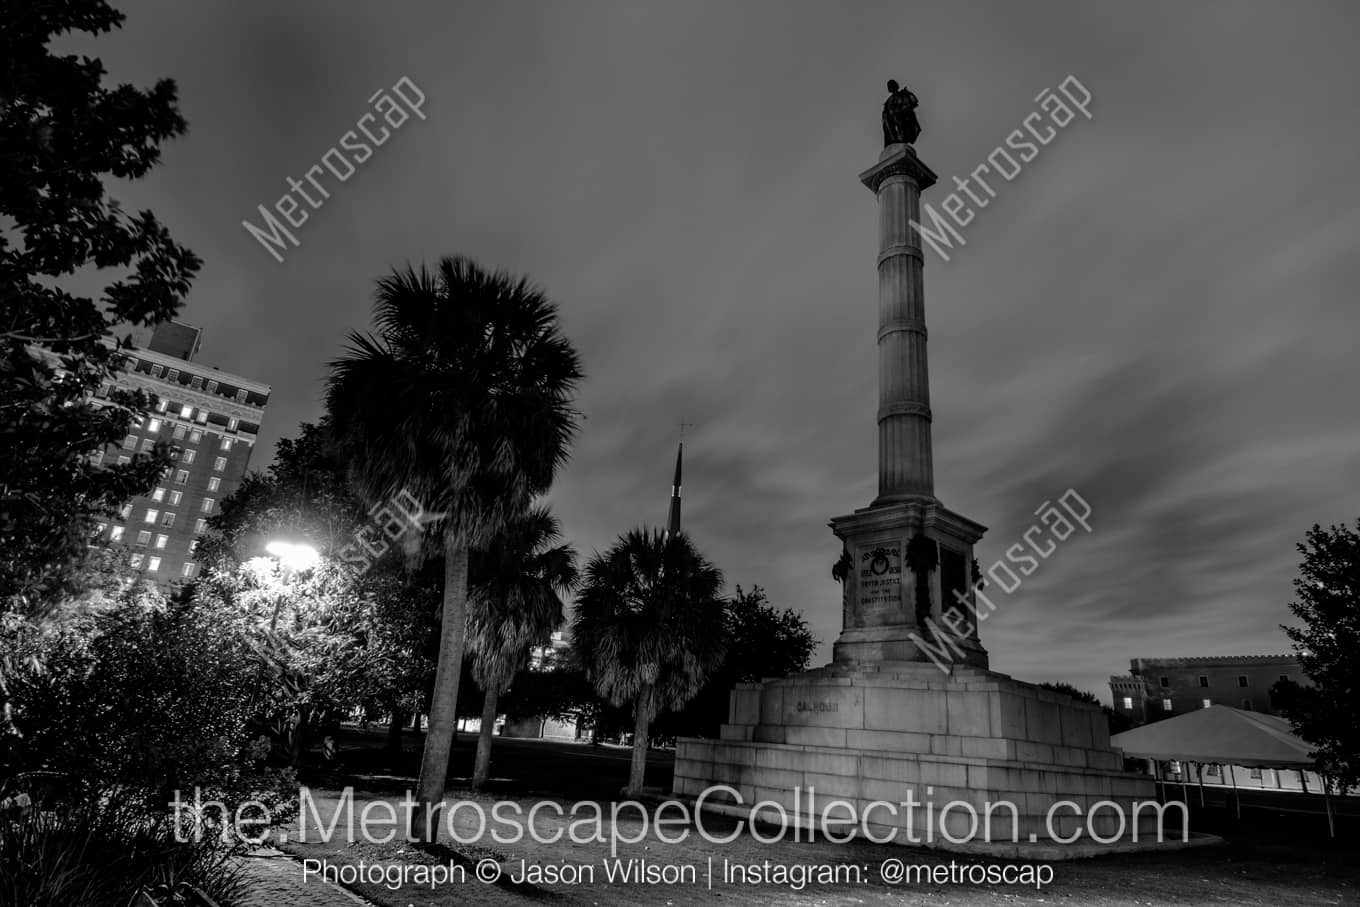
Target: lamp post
x=293, y=558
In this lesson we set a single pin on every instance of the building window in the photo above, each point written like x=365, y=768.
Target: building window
x=175, y=498
x=97, y=457
x=1203, y=681
x=214, y=483
x=1246, y=705
x=154, y=564
x=1128, y=703
x=158, y=494
x=168, y=519
x=179, y=433
x=154, y=426
x=157, y=371
x=151, y=515
x=200, y=526
x=193, y=545
x=1241, y=680
x=212, y=387
x=195, y=436
x=186, y=411
x=207, y=505
x=1166, y=705
x=196, y=382
x=1206, y=703
x=1164, y=681
x=189, y=569
x=130, y=442
x=182, y=475
x=126, y=512
x=136, y=561
x=172, y=375
x=1174, y=767
x=220, y=464
x=143, y=539
x=240, y=396
x=226, y=443
x=162, y=405
x=1284, y=677
x=189, y=456
x=116, y=534
x=201, y=417
x=99, y=529
x=122, y=461
x=147, y=444
x=161, y=540
x=233, y=423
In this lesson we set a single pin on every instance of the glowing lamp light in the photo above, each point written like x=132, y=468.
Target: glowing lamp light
x=293, y=557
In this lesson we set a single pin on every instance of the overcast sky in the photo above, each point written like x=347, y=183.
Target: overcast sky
x=1159, y=311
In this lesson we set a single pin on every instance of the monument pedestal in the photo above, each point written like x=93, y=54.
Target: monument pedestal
x=911, y=733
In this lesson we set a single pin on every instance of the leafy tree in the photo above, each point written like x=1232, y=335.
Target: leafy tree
x=1327, y=714
x=516, y=602
x=644, y=628
x=761, y=641
x=463, y=400
x=62, y=135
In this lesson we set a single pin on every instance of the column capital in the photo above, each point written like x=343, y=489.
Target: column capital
x=898, y=160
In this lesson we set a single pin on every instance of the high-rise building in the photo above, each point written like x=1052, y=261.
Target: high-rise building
x=211, y=419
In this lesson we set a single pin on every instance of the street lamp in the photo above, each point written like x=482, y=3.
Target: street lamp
x=293, y=557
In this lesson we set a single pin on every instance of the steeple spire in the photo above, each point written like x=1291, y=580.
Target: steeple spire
x=673, y=522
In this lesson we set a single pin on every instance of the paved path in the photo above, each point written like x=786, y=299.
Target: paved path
x=273, y=879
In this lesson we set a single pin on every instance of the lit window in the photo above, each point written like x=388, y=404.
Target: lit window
x=189, y=456
x=1241, y=680
x=168, y=520
x=157, y=371
x=220, y=464
x=200, y=526
x=154, y=564
x=172, y=375
x=233, y=423
x=126, y=512
x=175, y=498
x=207, y=505
x=1128, y=703
x=182, y=476
x=189, y=569
x=116, y=534
x=179, y=433
x=136, y=561
x=97, y=457
x=147, y=444
x=214, y=483
x=1207, y=702
x=143, y=539
x=212, y=387
x=158, y=494
x=162, y=405
x=123, y=461
x=151, y=515
x=1166, y=705
x=186, y=411
x=154, y=426
x=161, y=540
x=130, y=442
x=195, y=436
x=1174, y=767
x=240, y=396
x=202, y=417
x=226, y=443
x=196, y=382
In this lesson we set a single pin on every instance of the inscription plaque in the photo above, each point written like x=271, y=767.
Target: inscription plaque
x=879, y=583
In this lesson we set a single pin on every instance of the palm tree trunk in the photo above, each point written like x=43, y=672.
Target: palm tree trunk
x=482, y=769
x=443, y=717
x=638, y=771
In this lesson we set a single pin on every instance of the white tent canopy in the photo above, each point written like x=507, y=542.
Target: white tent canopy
x=1219, y=734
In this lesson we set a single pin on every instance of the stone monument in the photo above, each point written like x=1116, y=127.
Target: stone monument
x=901, y=708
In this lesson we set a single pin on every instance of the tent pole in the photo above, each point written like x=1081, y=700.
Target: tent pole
x=1199, y=770
x=1157, y=774
x=1185, y=798
x=1327, y=800
x=1303, y=780
x=1237, y=798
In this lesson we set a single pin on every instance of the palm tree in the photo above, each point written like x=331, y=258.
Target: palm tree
x=515, y=603
x=463, y=401
x=648, y=628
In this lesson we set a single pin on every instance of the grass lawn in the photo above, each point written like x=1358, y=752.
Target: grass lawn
x=1252, y=871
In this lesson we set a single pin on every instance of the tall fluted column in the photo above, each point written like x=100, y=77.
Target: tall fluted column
x=905, y=462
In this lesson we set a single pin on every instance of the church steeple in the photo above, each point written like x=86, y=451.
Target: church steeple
x=673, y=522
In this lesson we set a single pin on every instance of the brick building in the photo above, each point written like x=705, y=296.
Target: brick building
x=211, y=418
x=1157, y=688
